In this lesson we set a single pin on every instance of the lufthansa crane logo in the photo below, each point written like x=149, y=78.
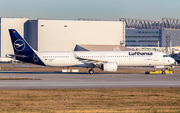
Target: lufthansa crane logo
x=19, y=45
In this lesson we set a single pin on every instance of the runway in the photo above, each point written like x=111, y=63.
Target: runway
x=57, y=80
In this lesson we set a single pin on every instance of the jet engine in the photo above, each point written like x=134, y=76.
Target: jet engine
x=109, y=67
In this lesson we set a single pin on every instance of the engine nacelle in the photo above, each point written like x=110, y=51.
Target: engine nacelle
x=109, y=67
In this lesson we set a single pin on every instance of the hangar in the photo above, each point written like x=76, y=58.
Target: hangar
x=64, y=35
x=9, y=23
x=149, y=33
x=61, y=35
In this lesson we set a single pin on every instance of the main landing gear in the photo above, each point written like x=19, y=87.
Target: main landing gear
x=91, y=71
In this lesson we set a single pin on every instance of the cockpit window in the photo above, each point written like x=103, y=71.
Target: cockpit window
x=166, y=56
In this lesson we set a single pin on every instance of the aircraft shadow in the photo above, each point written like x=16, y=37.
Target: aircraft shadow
x=29, y=72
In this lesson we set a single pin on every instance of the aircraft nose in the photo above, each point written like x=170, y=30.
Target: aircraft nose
x=175, y=63
x=172, y=61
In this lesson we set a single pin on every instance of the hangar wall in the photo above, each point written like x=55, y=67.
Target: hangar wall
x=9, y=23
x=171, y=37
x=63, y=35
x=31, y=33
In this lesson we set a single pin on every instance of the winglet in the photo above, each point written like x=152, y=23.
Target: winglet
x=75, y=55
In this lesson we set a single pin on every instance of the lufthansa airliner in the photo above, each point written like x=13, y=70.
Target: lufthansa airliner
x=106, y=60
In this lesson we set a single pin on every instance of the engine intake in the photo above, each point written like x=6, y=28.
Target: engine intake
x=109, y=67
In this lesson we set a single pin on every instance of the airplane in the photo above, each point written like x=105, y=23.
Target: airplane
x=108, y=61
x=5, y=59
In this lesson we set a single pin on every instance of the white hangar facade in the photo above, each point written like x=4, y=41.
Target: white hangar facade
x=5, y=41
x=63, y=35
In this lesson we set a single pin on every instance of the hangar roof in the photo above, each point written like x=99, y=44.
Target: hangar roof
x=101, y=48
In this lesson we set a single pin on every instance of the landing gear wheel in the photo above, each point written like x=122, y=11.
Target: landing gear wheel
x=91, y=71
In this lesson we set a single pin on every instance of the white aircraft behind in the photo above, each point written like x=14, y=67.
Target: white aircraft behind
x=5, y=59
x=106, y=60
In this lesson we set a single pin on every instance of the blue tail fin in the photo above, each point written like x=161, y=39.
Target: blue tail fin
x=23, y=51
x=19, y=44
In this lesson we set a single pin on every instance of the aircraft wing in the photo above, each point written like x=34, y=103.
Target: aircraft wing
x=87, y=60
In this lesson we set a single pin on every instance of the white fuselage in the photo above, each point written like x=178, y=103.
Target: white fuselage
x=122, y=58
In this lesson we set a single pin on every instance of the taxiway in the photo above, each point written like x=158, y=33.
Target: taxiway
x=51, y=80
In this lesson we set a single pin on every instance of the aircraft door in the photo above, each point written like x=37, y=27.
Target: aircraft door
x=35, y=58
x=156, y=57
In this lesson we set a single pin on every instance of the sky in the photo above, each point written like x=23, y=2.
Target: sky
x=92, y=9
